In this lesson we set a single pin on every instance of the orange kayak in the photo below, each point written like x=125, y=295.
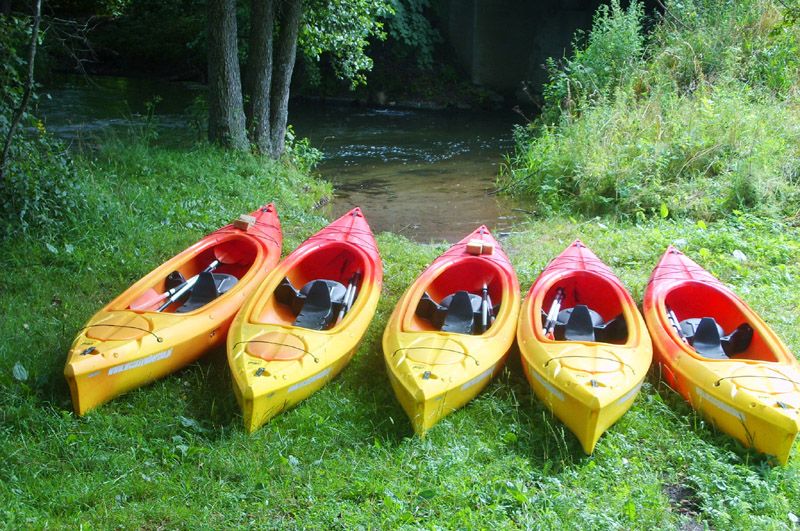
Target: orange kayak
x=451, y=330
x=305, y=321
x=174, y=314
x=721, y=357
x=585, y=348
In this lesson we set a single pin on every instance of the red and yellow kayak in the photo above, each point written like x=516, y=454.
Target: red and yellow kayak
x=304, y=323
x=451, y=330
x=715, y=351
x=585, y=348
x=144, y=334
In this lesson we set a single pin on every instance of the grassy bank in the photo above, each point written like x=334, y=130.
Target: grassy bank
x=173, y=454
x=695, y=117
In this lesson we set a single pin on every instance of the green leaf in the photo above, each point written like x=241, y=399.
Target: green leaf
x=664, y=210
x=701, y=224
x=51, y=248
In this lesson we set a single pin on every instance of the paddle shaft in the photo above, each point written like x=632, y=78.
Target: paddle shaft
x=675, y=324
x=178, y=291
x=552, y=315
x=349, y=296
x=484, y=308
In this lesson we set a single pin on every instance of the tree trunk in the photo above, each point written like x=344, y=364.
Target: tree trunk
x=259, y=73
x=226, y=122
x=28, y=90
x=282, y=80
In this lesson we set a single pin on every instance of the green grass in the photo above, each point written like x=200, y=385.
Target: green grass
x=174, y=454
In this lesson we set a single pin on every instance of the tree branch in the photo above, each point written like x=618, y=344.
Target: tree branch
x=26, y=96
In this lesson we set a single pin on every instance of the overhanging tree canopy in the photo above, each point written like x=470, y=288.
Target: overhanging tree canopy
x=340, y=28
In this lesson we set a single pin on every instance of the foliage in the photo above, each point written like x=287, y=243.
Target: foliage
x=705, y=124
x=40, y=189
x=411, y=30
x=613, y=50
x=342, y=29
x=301, y=153
x=174, y=454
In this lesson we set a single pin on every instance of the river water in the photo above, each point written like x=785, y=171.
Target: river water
x=425, y=174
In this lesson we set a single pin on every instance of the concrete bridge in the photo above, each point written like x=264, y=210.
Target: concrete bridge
x=503, y=43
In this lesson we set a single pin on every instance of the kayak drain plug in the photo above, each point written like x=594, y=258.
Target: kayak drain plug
x=260, y=371
x=88, y=351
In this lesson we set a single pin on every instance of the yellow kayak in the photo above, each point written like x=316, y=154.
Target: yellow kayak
x=451, y=330
x=304, y=323
x=721, y=357
x=174, y=314
x=584, y=346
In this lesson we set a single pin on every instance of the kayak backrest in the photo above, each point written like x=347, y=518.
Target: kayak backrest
x=315, y=304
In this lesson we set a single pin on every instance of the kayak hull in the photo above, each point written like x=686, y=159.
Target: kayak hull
x=120, y=348
x=275, y=365
x=587, y=385
x=434, y=373
x=753, y=396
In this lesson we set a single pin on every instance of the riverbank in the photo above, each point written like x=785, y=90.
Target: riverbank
x=174, y=454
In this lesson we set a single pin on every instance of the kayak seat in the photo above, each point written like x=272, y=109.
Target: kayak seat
x=208, y=287
x=316, y=304
x=458, y=313
x=708, y=339
x=460, y=316
x=581, y=323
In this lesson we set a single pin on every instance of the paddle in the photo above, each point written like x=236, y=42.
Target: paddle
x=349, y=296
x=675, y=324
x=552, y=315
x=224, y=254
x=484, y=308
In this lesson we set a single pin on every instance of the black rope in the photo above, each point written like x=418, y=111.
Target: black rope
x=316, y=360
x=473, y=358
x=159, y=339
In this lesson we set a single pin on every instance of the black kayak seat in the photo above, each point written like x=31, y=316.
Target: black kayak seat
x=439, y=314
x=316, y=304
x=709, y=340
x=580, y=325
x=208, y=287
x=317, y=311
x=577, y=328
x=460, y=317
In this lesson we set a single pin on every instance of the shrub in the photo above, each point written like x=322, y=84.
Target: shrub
x=705, y=124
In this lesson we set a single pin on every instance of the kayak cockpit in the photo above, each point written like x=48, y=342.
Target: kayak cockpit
x=583, y=306
x=318, y=290
x=464, y=298
x=714, y=325
x=192, y=279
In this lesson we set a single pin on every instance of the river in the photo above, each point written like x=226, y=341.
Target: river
x=425, y=174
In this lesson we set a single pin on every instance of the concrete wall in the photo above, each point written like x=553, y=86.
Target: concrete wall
x=503, y=43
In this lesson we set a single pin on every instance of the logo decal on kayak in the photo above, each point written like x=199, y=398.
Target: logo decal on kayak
x=720, y=405
x=139, y=363
x=478, y=378
x=312, y=379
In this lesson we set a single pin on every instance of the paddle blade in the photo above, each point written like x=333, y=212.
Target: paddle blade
x=147, y=300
